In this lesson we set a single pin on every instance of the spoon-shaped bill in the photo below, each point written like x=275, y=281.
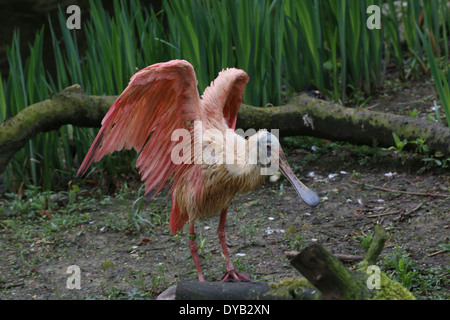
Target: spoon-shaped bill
x=308, y=196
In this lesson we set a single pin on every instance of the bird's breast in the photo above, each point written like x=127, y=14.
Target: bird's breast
x=219, y=185
x=209, y=187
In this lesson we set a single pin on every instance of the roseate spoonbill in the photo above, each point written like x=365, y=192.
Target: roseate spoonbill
x=159, y=100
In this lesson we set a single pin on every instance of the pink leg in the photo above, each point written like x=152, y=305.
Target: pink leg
x=230, y=272
x=194, y=252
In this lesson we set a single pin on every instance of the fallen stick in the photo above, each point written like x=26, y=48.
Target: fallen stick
x=428, y=194
x=436, y=253
x=383, y=214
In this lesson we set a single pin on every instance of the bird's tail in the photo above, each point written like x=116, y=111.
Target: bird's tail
x=177, y=221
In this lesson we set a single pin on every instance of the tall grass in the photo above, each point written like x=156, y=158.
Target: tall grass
x=283, y=45
x=328, y=42
x=215, y=34
x=25, y=85
x=441, y=77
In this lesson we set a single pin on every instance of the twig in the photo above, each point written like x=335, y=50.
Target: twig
x=403, y=215
x=437, y=252
x=428, y=194
x=383, y=214
x=11, y=285
x=396, y=211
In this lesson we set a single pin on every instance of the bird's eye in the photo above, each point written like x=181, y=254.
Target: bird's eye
x=269, y=150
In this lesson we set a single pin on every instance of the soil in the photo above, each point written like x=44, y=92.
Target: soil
x=121, y=256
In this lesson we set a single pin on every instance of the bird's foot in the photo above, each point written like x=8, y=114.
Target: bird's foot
x=234, y=276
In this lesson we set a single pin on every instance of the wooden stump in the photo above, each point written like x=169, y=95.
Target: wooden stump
x=329, y=275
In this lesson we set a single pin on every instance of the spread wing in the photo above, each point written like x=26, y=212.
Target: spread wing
x=159, y=99
x=222, y=99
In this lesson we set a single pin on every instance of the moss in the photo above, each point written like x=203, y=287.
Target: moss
x=391, y=290
x=302, y=289
x=294, y=288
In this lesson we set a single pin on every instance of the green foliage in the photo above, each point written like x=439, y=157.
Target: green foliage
x=134, y=219
x=391, y=290
x=365, y=241
x=294, y=239
x=405, y=274
x=399, y=144
x=400, y=262
x=44, y=213
x=433, y=283
x=421, y=148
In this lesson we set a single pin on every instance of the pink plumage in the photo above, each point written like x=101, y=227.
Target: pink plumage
x=158, y=100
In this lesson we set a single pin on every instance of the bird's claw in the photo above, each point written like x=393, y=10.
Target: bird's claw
x=234, y=276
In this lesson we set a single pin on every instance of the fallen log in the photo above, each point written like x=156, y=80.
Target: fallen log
x=70, y=106
x=286, y=289
x=223, y=291
x=307, y=116
x=303, y=115
x=186, y=290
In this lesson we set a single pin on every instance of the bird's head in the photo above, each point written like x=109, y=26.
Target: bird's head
x=270, y=157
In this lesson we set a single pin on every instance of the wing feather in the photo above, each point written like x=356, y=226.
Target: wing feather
x=223, y=98
x=159, y=99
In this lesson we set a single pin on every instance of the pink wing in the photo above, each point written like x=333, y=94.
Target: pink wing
x=159, y=99
x=223, y=98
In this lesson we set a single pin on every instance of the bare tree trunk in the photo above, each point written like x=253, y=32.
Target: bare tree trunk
x=303, y=115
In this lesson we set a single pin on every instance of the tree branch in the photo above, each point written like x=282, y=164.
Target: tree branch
x=303, y=115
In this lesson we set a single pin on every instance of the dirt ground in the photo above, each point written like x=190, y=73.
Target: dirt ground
x=121, y=256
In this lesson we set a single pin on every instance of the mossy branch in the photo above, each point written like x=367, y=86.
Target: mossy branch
x=329, y=275
x=70, y=106
x=376, y=246
x=307, y=116
x=303, y=115
x=335, y=281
